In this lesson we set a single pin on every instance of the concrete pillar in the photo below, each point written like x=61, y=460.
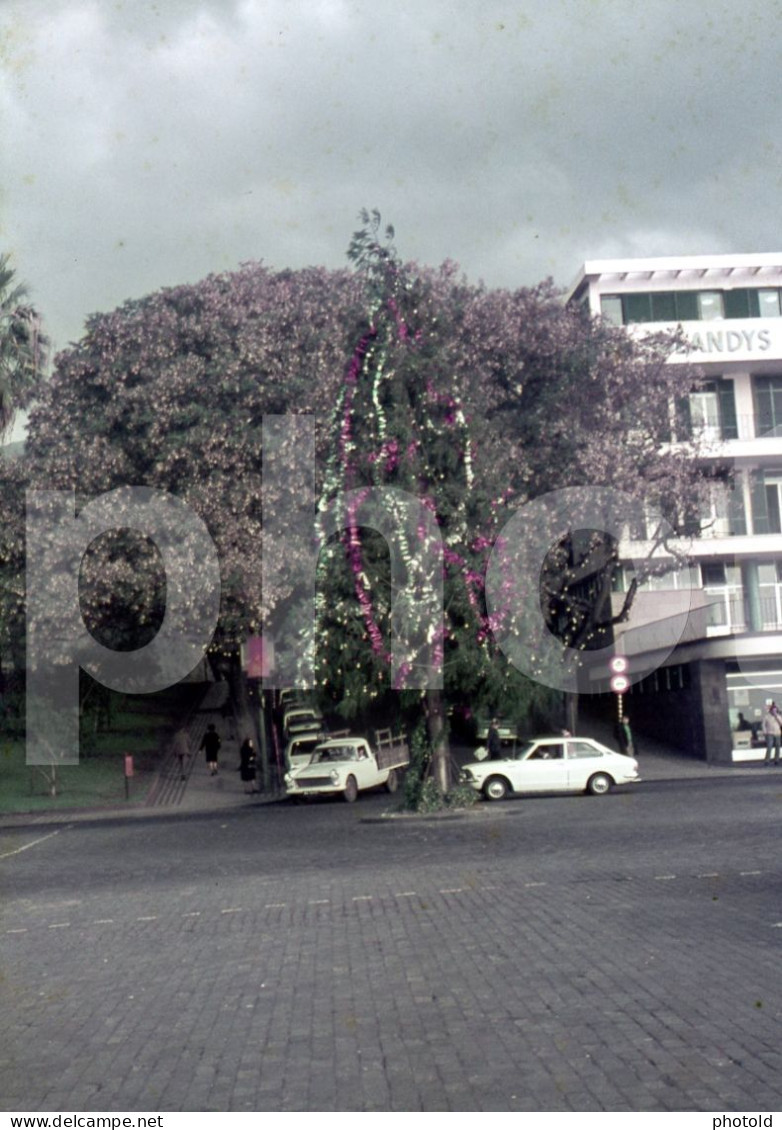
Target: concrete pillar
x=712, y=688
x=751, y=586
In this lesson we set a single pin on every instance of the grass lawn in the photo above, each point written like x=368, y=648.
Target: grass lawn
x=140, y=725
x=95, y=782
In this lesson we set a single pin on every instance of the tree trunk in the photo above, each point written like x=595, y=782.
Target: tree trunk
x=571, y=712
x=438, y=735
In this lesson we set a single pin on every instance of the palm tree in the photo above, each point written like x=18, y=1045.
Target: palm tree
x=23, y=346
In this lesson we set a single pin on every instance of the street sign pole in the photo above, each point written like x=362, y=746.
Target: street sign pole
x=620, y=681
x=128, y=773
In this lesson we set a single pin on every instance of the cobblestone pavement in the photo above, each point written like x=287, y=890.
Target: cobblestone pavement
x=618, y=954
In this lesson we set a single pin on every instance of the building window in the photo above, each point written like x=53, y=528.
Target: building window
x=708, y=413
x=713, y=573
x=679, y=577
x=769, y=304
x=770, y=586
x=748, y=303
x=741, y=303
x=717, y=520
x=653, y=306
x=722, y=583
x=705, y=414
x=768, y=406
x=765, y=486
x=710, y=305
x=691, y=305
x=773, y=485
x=611, y=308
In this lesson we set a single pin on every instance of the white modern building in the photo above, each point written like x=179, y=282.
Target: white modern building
x=729, y=660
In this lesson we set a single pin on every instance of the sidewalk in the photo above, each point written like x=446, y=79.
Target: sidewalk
x=200, y=791
x=169, y=795
x=660, y=762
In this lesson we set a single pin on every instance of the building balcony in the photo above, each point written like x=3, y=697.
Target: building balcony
x=715, y=541
x=750, y=440
x=659, y=621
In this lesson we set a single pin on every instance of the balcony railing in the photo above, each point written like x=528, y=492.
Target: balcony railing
x=730, y=614
x=747, y=425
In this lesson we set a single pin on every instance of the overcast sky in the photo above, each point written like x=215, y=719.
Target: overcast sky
x=147, y=144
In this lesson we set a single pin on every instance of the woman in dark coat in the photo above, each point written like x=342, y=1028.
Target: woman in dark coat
x=248, y=760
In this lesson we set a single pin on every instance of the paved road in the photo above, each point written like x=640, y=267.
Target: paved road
x=558, y=953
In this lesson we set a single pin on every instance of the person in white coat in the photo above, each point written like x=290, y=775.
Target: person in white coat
x=772, y=732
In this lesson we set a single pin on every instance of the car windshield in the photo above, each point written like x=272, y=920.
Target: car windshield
x=335, y=753
x=305, y=723
x=525, y=749
x=301, y=744
x=305, y=745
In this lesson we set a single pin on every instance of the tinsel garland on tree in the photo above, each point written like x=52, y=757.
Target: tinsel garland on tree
x=399, y=423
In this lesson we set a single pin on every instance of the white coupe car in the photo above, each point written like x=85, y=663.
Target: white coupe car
x=552, y=765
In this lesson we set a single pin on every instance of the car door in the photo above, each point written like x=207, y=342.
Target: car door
x=584, y=759
x=364, y=769
x=543, y=768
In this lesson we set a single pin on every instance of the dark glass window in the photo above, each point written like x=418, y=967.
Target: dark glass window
x=772, y=506
x=664, y=307
x=739, y=304
x=768, y=405
x=692, y=305
x=713, y=573
x=637, y=307
x=687, y=305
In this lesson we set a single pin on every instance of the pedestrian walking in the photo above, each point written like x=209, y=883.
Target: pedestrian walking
x=210, y=744
x=624, y=736
x=247, y=767
x=772, y=732
x=493, y=741
x=181, y=750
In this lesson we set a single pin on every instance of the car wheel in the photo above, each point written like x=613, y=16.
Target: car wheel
x=351, y=790
x=392, y=784
x=496, y=788
x=599, y=784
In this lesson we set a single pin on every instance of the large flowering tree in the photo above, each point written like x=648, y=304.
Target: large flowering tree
x=170, y=392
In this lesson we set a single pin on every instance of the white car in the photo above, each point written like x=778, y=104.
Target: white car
x=301, y=720
x=300, y=748
x=546, y=765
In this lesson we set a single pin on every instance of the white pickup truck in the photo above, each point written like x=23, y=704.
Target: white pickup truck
x=348, y=766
